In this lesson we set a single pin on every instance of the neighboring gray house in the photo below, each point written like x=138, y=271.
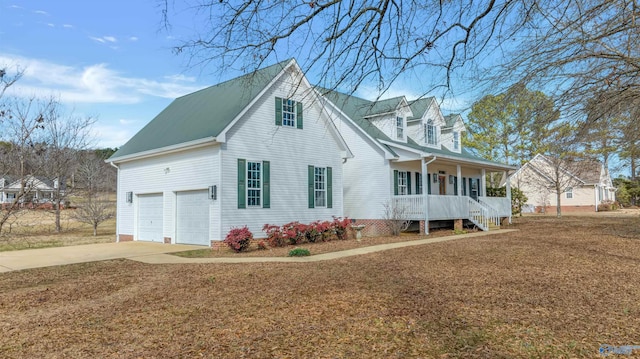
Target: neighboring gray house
x=586, y=184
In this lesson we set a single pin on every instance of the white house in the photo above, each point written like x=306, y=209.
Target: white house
x=409, y=156
x=37, y=190
x=254, y=150
x=584, y=183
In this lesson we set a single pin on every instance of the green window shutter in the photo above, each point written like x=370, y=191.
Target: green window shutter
x=266, y=186
x=408, y=182
x=242, y=183
x=311, y=188
x=464, y=186
x=278, y=111
x=329, y=188
x=455, y=186
x=418, y=183
x=299, y=114
x=428, y=183
x=395, y=182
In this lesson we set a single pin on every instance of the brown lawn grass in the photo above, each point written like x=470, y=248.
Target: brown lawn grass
x=554, y=289
x=36, y=229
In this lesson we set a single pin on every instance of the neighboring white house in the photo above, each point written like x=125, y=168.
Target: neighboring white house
x=37, y=190
x=254, y=150
x=585, y=184
x=408, y=157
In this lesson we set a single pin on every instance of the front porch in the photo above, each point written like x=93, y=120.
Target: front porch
x=484, y=213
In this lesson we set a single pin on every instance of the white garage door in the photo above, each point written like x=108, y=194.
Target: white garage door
x=150, y=217
x=192, y=217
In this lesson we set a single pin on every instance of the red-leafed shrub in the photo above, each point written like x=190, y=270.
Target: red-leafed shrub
x=239, y=239
x=341, y=226
x=294, y=232
x=275, y=235
x=262, y=244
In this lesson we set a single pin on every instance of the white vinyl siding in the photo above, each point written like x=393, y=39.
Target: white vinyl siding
x=456, y=140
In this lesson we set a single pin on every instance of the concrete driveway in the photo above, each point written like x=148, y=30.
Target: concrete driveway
x=46, y=257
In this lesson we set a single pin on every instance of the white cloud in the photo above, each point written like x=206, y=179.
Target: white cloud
x=112, y=136
x=67, y=26
x=95, y=83
x=125, y=122
x=180, y=78
x=133, y=38
x=41, y=12
x=51, y=25
x=104, y=39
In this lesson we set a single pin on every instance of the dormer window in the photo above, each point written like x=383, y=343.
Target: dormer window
x=456, y=140
x=399, y=128
x=430, y=133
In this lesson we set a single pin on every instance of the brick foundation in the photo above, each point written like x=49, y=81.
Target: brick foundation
x=218, y=245
x=373, y=227
x=458, y=224
x=125, y=237
x=422, y=227
x=167, y=240
x=566, y=209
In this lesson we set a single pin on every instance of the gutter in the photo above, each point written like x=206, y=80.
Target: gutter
x=117, y=193
x=166, y=150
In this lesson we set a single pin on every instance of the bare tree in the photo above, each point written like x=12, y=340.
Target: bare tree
x=94, y=211
x=395, y=218
x=562, y=165
x=347, y=43
x=64, y=137
x=21, y=127
x=93, y=175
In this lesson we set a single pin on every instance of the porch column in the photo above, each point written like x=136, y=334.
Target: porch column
x=507, y=186
x=460, y=184
x=425, y=194
x=482, y=191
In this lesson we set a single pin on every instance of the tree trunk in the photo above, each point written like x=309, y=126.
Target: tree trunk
x=558, y=204
x=95, y=229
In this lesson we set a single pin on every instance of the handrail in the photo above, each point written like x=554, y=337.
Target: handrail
x=478, y=215
x=494, y=215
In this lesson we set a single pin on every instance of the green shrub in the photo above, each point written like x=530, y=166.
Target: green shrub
x=299, y=252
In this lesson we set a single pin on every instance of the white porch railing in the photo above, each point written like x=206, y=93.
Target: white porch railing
x=478, y=215
x=482, y=212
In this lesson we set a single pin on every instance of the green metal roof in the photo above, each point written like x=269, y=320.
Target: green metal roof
x=420, y=106
x=357, y=108
x=202, y=114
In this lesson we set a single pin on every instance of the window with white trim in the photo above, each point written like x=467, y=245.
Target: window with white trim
x=402, y=183
x=320, y=186
x=400, y=128
x=568, y=192
x=456, y=140
x=430, y=133
x=254, y=183
x=288, y=112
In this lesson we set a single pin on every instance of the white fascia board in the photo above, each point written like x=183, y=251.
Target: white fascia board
x=207, y=141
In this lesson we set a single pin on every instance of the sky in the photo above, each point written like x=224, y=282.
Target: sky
x=110, y=60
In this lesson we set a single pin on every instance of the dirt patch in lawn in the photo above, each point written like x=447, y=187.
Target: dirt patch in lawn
x=556, y=288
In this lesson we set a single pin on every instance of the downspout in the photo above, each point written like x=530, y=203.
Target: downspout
x=596, y=195
x=117, y=201
x=425, y=192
